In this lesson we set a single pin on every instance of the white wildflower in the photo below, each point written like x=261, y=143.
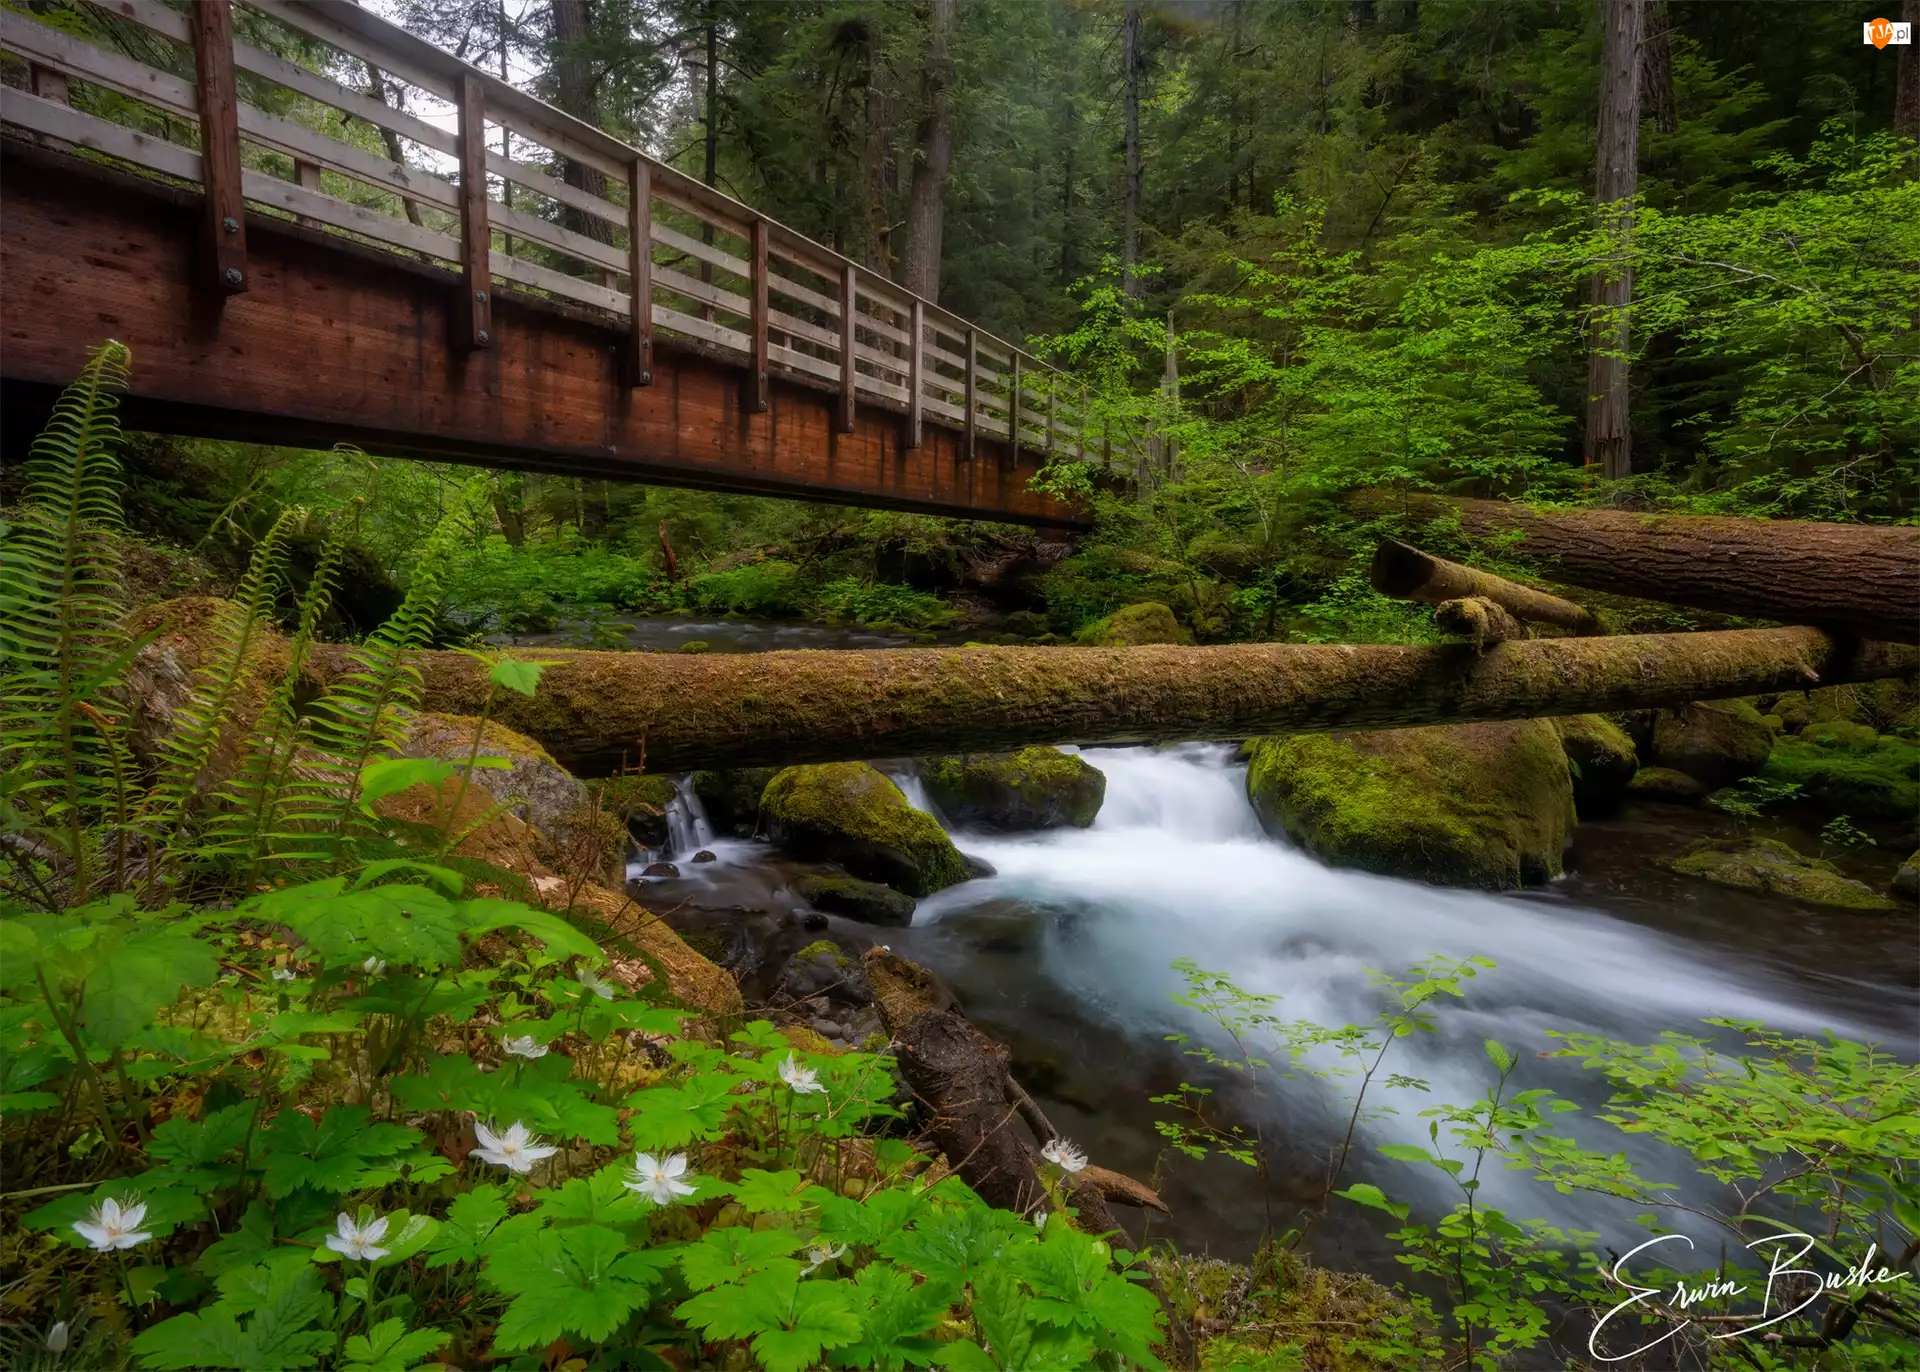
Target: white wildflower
x=1065, y=1154
x=593, y=982
x=373, y=967
x=284, y=974
x=357, y=1241
x=525, y=1047
x=822, y=1254
x=57, y=1338
x=1040, y=1220
x=113, y=1226
x=801, y=1079
x=658, y=1179
x=516, y=1149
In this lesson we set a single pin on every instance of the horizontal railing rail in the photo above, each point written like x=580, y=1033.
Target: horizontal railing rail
x=345, y=140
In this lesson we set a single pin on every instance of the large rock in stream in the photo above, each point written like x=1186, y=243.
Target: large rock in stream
x=1602, y=759
x=846, y=812
x=1035, y=788
x=1487, y=805
x=1768, y=865
x=1716, y=742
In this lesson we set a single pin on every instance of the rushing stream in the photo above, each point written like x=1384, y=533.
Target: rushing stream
x=1065, y=955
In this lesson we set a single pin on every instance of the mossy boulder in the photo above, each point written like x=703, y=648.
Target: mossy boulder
x=867, y=901
x=1793, y=712
x=639, y=801
x=1132, y=625
x=1035, y=788
x=846, y=812
x=547, y=796
x=1488, y=805
x=1765, y=864
x=732, y=798
x=1906, y=881
x=1714, y=742
x=1848, y=769
x=1602, y=758
x=1664, y=785
x=824, y=968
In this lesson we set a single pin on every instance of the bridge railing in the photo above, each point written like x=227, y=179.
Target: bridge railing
x=335, y=118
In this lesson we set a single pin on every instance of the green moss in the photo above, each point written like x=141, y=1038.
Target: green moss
x=1487, y=805
x=1906, y=881
x=1837, y=773
x=1665, y=784
x=824, y=948
x=1035, y=788
x=1603, y=761
x=1131, y=625
x=695, y=645
x=846, y=812
x=1765, y=864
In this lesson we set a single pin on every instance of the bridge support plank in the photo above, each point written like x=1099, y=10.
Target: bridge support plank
x=757, y=398
x=219, y=100
x=849, y=374
x=639, y=353
x=971, y=430
x=338, y=340
x=474, y=319
x=916, y=374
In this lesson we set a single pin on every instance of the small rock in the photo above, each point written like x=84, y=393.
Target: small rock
x=1665, y=784
x=1765, y=864
x=813, y=921
x=867, y=901
x=979, y=866
x=705, y=855
x=659, y=869
x=1906, y=881
x=825, y=969
x=696, y=645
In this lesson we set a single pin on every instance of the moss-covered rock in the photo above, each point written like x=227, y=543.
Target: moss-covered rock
x=548, y=797
x=639, y=801
x=1132, y=625
x=1765, y=864
x=1793, y=711
x=867, y=901
x=1881, y=705
x=846, y=812
x=1602, y=758
x=1487, y=805
x=1665, y=786
x=1035, y=788
x=732, y=798
x=1847, y=769
x=1715, y=742
x=1906, y=881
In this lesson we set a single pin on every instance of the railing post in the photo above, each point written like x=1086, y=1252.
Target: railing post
x=915, y=363
x=49, y=84
x=1047, y=445
x=1013, y=408
x=639, y=352
x=212, y=29
x=757, y=398
x=306, y=175
x=849, y=373
x=473, y=326
x=973, y=368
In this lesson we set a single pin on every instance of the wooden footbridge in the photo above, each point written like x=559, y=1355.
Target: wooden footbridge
x=310, y=226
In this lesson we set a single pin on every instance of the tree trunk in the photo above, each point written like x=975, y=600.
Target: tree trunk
x=1656, y=68
x=874, y=169
x=1130, y=98
x=1609, y=438
x=599, y=713
x=573, y=82
x=377, y=88
x=933, y=155
x=1906, y=83
x=1853, y=578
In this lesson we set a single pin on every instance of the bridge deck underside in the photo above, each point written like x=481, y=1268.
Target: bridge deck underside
x=332, y=342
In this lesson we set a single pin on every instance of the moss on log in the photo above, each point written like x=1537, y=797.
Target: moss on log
x=1860, y=579
x=599, y=712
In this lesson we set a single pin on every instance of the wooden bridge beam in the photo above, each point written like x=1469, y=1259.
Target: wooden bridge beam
x=336, y=341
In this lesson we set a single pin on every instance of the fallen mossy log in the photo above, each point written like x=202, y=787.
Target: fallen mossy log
x=598, y=713
x=1860, y=579
x=1410, y=574
x=1480, y=621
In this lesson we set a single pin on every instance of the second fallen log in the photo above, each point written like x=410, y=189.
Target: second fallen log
x=667, y=712
x=1399, y=570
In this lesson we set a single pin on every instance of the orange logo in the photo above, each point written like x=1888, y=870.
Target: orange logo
x=1880, y=32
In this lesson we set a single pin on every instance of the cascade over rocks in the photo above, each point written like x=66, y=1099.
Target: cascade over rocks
x=1488, y=805
x=846, y=812
x=1765, y=864
x=1604, y=761
x=1035, y=788
x=1715, y=742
